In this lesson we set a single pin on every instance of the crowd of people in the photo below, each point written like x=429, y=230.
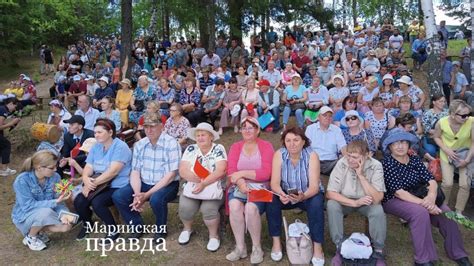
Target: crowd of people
x=354, y=101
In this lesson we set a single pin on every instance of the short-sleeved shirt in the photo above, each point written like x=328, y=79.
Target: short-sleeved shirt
x=3, y=112
x=208, y=160
x=273, y=76
x=90, y=117
x=364, y=135
x=292, y=94
x=378, y=127
x=326, y=143
x=344, y=180
x=395, y=41
x=101, y=159
x=403, y=176
x=219, y=96
x=339, y=93
x=461, y=81
x=155, y=161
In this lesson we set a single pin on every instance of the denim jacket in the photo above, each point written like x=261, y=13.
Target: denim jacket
x=30, y=195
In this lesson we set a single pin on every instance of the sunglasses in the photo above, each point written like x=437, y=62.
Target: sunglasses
x=353, y=118
x=463, y=116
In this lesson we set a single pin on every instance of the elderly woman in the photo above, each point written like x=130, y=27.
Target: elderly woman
x=165, y=97
x=203, y=191
x=232, y=99
x=406, y=87
x=295, y=178
x=250, y=166
x=338, y=93
x=143, y=94
x=122, y=102
x=107, y=169
x=354, y=130
x=101, y=92
x=108, y=111
x=356, y=184
x=37, y=206
x=318, y=96
x=177, y=125
x=429, y=120
x=378, y=120
x=367, y=94
x=405, y=175
x=249, y=100
x=190, y=99
x=294, y=96
x=452, y=134
x=287, y=75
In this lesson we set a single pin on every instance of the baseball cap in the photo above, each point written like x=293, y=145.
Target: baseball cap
x=76, y=119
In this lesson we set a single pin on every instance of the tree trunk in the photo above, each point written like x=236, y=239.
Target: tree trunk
x=126, y=27
x=433, y=49
x=204, y=23
x=212, y=24
x=153, y=19
x=344, y=13
x=235, y=19
x=354, y=12
x=166, y=20
x=472, y=44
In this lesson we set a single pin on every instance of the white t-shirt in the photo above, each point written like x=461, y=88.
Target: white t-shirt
x=395, y=41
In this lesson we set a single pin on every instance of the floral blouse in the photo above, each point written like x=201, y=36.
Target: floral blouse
x=141, y=95
x=193, y=97
x=365, y=135
x=177, y=130
x=430, y=117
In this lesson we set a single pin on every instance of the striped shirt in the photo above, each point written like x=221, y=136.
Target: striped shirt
x=155, y=161
x=296, y=177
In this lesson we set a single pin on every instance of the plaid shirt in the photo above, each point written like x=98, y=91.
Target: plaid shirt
x=155, y=161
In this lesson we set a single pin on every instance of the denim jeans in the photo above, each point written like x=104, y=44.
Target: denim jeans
x=298, y=113
x=100, y=204
x=275, y=112
x=314, y=208
x=158, y=202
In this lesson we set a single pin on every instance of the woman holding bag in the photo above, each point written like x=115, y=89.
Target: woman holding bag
x=203, y=166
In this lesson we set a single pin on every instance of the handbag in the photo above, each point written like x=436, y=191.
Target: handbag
x=421, y=190
x=213, y=191
x=296, y=106
x=434, y=167
x=98, y=189
x=298, y=249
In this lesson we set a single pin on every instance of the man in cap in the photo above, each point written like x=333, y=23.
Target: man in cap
x=154, y=177
x=76, y=134
x=76, y=89
x=326, y=140
x=459, y=84
x=269, y=101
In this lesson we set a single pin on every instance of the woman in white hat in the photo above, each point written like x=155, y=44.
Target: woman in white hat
x=102, y=91
x=337, y=93
x=406, y=87
x=387, y=91
x=229, y=116
x=287, y=74
x=354, y=130
x=122, y=101
x=57, y=117
x=203, y=167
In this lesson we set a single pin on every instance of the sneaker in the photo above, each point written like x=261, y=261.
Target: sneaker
x=108, y=239
x=82, y=234
x=34, y=243
x=317, y=261
x=236, y=255
x=213, y=244
x=7, y=172
x=276, y=256
x=257, y=255
x=160, y=238
x=184, y=237
x=43, y=237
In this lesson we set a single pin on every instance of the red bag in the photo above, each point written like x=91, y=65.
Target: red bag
x=434, y=167
x=260, y=195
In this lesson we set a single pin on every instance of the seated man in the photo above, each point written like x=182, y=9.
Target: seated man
x=269, y=100
x=153, y=178
x=77, y=88
x=357, y=184
x=326, y=140
x=85, y=109
x=76, y=134
x=212, y=101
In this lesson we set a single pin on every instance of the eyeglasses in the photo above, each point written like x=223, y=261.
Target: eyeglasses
x=248, y=129
x=463, y=116
x=351, y=118
x=173, y=110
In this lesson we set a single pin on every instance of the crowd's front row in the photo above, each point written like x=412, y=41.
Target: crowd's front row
x=357, y=183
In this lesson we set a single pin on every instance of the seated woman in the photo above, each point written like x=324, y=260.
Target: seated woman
x=108, y=111
x=405, y=106
x=250, y=166
x=356, y=184
x=338, y=93
x=429, y=120
x=108, y=162
x=190, y=99
x=122, y=102
x=354, y=130
x=318, y=96
x=249, y=100
x=143, y=94
x=37, y=206
x=367, y=94
x=165, y=97
x=57, y=116
x=231, y=98
x=378, y=120
x=202, y=192
x=349, y=103
x=295, y=178
x=295, y=97
x=177, y=125
x=403, y=175
x=418, y=50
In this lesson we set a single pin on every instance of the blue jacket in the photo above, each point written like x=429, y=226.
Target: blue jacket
x=30, y=195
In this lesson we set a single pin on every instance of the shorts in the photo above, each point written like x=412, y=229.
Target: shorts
x=260, y=205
